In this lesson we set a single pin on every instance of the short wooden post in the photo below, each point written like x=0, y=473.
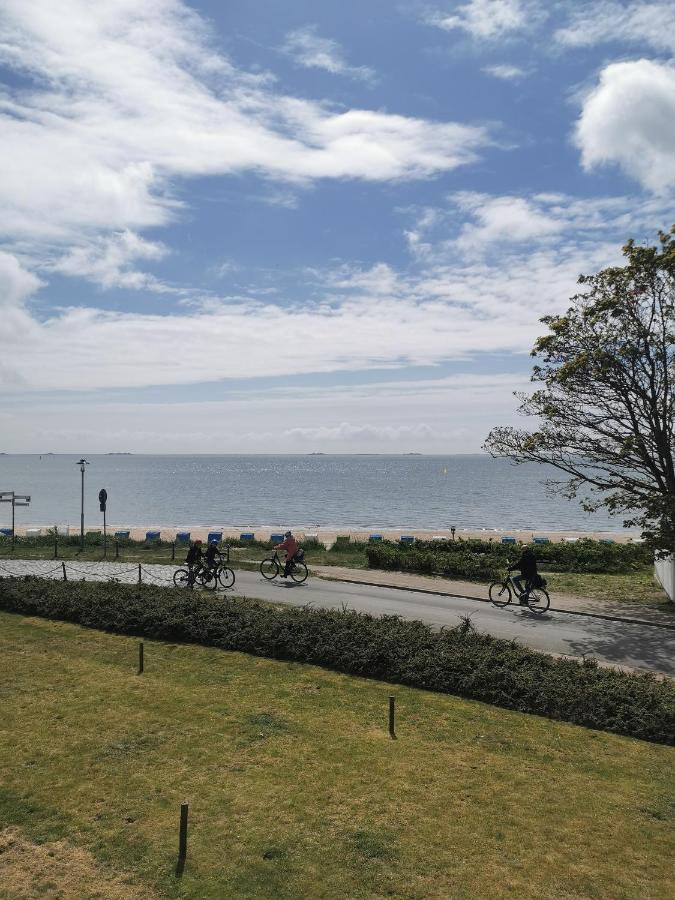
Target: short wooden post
x=173, y=551
x=63, y=567
x=141, y=660
x=392, y=715
x=140, y=574
x=182, y=839
x=117, y=549
x=56, y=546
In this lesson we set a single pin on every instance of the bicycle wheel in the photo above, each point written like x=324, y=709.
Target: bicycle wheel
x=208, y=578
x=299, y=572
x=500, y=594
x=538, y=600
x=181, y=578
x=269, y=569
x=226, y=576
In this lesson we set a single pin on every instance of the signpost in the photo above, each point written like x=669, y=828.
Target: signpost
x=102, y=500
x=15, y=500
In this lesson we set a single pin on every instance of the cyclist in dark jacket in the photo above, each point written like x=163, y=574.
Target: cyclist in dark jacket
x=194, y=556
x=212, y=556
x=527, y=564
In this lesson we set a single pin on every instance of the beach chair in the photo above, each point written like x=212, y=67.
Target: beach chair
x=277, y=537
x=607, y=541
x=508, y=540
x=247, y=536
x=541, y=540
x=407, y=539
x=123, y=535
x=33, y=532
x=182, y=537
x=152, y=536
x=374, y=537
x=216, y=536
x=6, y=532
x=440, y=537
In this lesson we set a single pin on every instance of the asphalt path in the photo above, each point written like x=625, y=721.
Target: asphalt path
x=647, y=647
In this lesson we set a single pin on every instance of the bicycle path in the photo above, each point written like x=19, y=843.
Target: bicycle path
x=446, y=587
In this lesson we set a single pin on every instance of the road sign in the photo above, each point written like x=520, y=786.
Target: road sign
x=102, y=497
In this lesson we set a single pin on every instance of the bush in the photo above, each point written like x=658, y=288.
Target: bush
x=427, y=559
x=455, y=661
x=485, y=560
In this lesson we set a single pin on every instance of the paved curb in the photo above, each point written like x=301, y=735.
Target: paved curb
x=568, y=612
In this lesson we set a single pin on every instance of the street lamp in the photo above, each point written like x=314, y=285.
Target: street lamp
x=82, y=463
x=15, y=500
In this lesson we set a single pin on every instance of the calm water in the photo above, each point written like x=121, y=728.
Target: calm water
x=342, y=491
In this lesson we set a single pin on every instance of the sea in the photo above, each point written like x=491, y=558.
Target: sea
x=303, y=491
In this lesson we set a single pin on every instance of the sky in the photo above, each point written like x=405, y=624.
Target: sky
x=267, y=227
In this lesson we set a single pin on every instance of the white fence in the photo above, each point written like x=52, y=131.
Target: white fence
x=664, y=569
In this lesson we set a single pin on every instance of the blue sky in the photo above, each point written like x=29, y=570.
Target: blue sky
x=285, y=227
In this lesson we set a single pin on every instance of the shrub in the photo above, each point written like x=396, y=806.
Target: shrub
x=487, y=560
x=455, y=661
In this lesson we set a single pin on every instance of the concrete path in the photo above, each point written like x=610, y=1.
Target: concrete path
x=615, y=642
x=452, y=588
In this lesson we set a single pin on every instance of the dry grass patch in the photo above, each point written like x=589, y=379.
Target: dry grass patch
x=59, y=870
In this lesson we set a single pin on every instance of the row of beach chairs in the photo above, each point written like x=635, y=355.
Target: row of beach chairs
x=183, y=537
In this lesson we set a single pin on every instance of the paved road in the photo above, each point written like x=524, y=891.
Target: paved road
x=619, y=643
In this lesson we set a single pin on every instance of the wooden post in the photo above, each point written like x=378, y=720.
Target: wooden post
x=392, y=714
x=140, y=574
x=173, y=550
x=63, y=566
x=182, y=839
x=141, y=660
x=56, y=546
x=117, y=549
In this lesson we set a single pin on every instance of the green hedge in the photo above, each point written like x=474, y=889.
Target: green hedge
x=487, y=560
x=455, y=661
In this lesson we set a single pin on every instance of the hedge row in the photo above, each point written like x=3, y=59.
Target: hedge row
x=460, y=564
x=456, y=661
x=484, y=559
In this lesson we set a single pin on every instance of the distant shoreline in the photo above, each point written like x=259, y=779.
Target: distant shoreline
x=328, y=534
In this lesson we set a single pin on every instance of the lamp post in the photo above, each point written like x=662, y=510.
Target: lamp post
x=15, y=500
x=82, y=463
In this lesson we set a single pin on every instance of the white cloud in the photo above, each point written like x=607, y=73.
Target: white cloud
x=481, y=288
x=127, y=97
x=629, y=120
x=106, y=261
x=308, y=49
x=443, y=415
x=346, y=432
x=490, y=19
x=506, y=73
x=631, y=23
x=16, y=283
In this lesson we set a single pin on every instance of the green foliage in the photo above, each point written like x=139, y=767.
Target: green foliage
x=605, y=410
x=455, y=661
x=484, y=560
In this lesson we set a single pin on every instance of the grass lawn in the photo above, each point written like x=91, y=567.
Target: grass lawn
x=638, y=588
x=296, y=789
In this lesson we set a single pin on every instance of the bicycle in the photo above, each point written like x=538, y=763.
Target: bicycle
x=501, y=592
x=208, y=578
x=270, y=568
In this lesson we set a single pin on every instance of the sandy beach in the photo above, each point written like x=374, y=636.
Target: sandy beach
x=327, y=535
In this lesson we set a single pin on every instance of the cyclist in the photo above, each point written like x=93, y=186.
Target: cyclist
x=527, y=564
x=291, y=546
x=212, y=557
x=194, y=559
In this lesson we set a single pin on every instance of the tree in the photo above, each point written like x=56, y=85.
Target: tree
x=606, y=407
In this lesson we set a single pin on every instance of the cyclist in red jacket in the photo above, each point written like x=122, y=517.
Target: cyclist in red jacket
x=291, y=546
